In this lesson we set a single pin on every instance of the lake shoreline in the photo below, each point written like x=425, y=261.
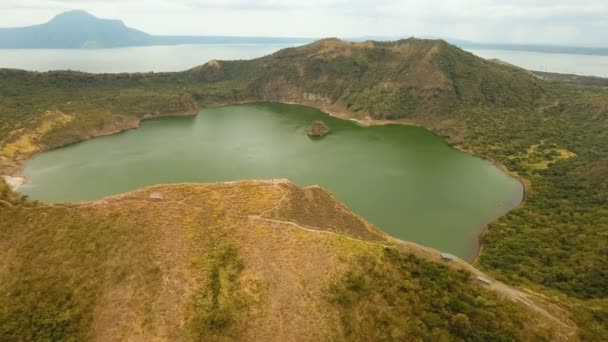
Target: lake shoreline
x=367, y=121
x=14, y=182
x=16, y=165
x=526, y=183
x=335, y=112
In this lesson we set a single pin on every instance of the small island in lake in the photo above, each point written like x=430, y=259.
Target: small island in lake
x=318, y=129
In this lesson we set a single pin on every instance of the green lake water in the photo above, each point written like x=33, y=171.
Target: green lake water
x=404, y=179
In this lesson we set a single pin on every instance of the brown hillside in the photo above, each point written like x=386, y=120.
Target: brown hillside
x=241, y=261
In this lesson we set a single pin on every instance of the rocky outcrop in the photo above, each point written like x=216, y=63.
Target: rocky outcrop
x=318, y=129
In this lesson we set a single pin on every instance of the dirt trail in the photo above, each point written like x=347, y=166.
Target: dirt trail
x=514, y=294
x=507, y=291
x=529, y=301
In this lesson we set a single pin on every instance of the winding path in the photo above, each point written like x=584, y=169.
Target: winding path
x=514, y=294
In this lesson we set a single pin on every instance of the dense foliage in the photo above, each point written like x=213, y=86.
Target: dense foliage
x=400, y=296
x=559, y=238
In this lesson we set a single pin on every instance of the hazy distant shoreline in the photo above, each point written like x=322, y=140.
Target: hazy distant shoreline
x=175, y=58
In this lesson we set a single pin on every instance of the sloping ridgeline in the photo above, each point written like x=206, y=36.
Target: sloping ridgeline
x=553, y=134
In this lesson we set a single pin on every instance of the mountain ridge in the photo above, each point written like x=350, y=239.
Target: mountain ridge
x=419, y=76
x=74, y=29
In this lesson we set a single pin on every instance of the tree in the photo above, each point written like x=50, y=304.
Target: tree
x=460, y=325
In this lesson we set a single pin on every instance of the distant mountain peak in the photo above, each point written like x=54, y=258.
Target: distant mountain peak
x=76, y=12
x=74, y=15
x=84, y=18
x=80, y=29
x=74, y=29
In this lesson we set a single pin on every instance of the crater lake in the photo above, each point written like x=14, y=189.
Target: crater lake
x=404, y=179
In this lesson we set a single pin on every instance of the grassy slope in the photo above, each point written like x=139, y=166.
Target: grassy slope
x=556, y=243
x=92, y=104
x=193, y=265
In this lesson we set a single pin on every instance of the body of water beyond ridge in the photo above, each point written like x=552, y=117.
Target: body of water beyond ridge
x=404, y=179
x=184, y=57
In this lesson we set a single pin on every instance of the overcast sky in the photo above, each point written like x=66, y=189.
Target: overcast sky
x=573, y=22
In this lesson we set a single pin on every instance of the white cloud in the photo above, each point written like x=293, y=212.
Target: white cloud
x=522, y=21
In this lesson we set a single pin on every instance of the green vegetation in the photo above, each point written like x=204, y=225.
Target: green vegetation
x=45, y=110
x=400, y=296
x=552, y=133
x=558, y=239
x=215, y=307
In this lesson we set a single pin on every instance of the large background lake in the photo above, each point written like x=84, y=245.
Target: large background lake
x=182, y=57
x=586, y=65
x=406, y=180
x=132, y=59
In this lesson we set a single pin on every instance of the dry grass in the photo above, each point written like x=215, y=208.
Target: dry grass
x=182, y=262
x=315, y=208
x=541, y=157
x=29, y=142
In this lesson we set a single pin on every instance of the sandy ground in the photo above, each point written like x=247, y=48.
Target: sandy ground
x=14, y=182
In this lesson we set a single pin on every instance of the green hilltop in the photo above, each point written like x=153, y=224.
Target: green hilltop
x=551, y=133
